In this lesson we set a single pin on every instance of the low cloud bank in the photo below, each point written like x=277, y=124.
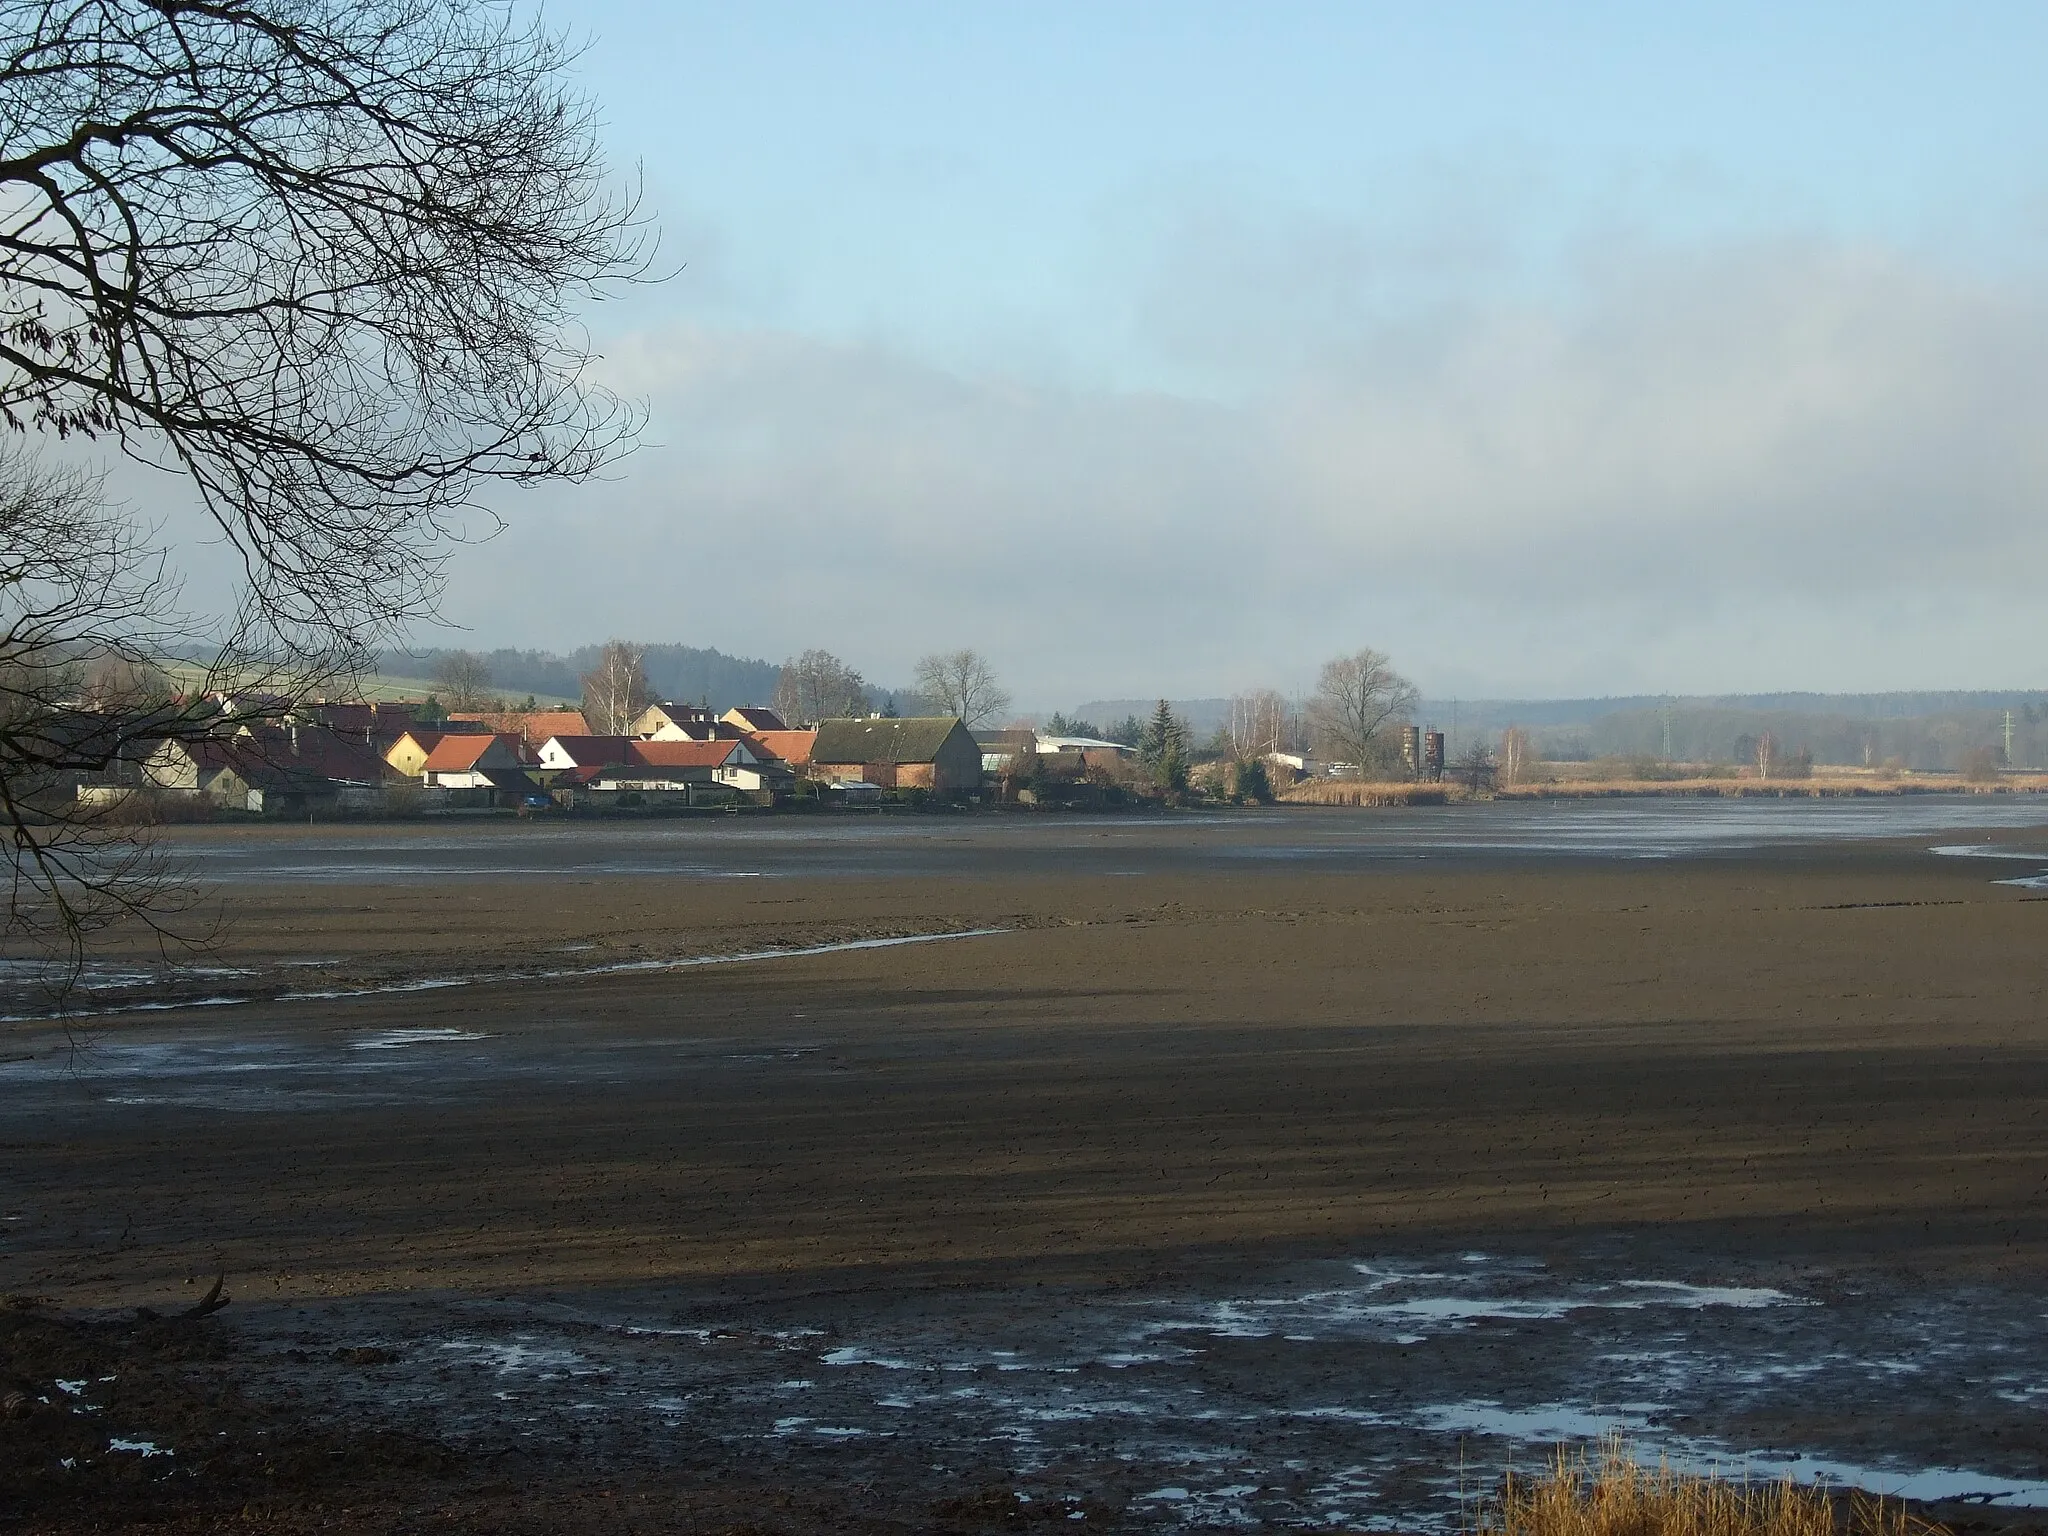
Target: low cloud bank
x=1787, y=463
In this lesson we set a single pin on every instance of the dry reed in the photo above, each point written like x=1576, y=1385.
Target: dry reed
x=1358, y=792
x=1611, y=1494
x=1355, y=792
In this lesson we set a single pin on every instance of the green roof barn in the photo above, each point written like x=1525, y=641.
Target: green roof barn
x=935, y=752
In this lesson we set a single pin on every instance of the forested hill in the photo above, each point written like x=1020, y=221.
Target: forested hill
x=684, y=673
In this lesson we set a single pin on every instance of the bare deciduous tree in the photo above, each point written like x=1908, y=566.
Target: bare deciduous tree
x=615, y=691
x=1259, y=723
x=818, y=686
x=464, y=681
x=1356, y=699
x=962, y=683
x=1516, y=755
x=85, y=610
x=319, y=258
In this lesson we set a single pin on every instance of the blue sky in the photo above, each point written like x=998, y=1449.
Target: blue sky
x=1172, y=349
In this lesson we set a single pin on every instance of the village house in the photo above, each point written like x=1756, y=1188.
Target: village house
x=679, y=722
x=408, y=755
x=660, y=765
x=376, y=725
x=790, y=747
x=532, y=726
x=465, y=761
x=560, y=753
x=1000, y=748
x=753, y=719
x=936, y=752
x=267, y=768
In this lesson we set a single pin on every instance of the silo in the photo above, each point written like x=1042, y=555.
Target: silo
x=1411, y=749
x=1433, y=754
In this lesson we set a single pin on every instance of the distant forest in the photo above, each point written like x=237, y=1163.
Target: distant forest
x=679, y=673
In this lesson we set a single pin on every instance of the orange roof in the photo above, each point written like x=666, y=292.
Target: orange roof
x=793, y=747
x=681, y=754
x=535, y=725
x=459, y=754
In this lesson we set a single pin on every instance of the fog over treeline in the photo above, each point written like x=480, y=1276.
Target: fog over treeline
x=1929, y=730
x=1911, y=729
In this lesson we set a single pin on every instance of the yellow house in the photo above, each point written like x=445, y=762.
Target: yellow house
x=409, y=753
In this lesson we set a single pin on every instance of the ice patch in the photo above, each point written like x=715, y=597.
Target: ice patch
x=137, y=1447
x=522, y=1356
x=854, y=1354
x=399, y=1039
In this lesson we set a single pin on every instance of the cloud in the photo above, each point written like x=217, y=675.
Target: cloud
x=1770, y=462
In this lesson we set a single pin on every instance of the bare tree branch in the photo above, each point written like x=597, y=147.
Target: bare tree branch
x=317, y=254
x=962, y=683
x=1356, y=699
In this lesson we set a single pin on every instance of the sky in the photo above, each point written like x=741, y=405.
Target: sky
x=1172, y=349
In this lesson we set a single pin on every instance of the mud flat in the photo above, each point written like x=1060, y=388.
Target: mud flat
x=1175, y=1176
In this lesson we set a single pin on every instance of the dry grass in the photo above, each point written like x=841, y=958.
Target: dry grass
x=1611, y=1494
x=1822, y=786
x=1819, y=786
x=1360, y=792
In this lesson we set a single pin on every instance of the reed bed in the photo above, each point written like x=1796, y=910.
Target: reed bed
x=1818, y=787
x=1356, y=792
x=1609, y=1493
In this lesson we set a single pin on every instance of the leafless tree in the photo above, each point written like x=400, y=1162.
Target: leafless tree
x=85, y=610
x=961, y=683
x=615, y=691
x=463, y=679
x=319, y=258
x=818, y=686
x=316, y=255
x=1356, y=699
x=1766, y=754
x=1259, y=723
x=1516, y=754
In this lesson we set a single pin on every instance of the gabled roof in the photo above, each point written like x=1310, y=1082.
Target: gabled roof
x=303, y=757
x=681, y=754
x=460, y=754
x=1006, y=741
x=792, y=747
x=536, y=725
x=752, y=717
x=914, y=740
x=586, y=751
x=359, y=717
x=680, y=714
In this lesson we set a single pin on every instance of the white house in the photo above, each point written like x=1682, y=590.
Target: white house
x=563, y=752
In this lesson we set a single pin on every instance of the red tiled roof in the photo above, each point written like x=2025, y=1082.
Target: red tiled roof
x=792, y=747
x=681, y=754
x=535, y=725
x=459, y=753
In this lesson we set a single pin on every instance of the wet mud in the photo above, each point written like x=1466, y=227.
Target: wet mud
x=1266, y=1195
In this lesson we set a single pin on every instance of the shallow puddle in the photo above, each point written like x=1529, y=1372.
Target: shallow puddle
x=1339, y=1393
